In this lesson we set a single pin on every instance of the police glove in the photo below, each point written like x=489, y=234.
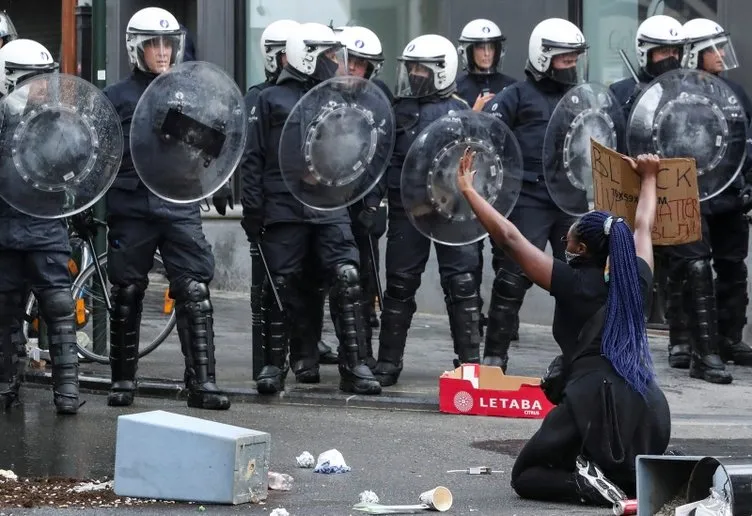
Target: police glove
x=222, y=198
x=253, y=228
x=746, y=196
x=367, y=218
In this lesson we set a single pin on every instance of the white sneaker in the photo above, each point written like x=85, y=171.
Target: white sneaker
x=594, y=485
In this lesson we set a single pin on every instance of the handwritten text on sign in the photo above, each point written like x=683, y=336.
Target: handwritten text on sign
x=616, y=188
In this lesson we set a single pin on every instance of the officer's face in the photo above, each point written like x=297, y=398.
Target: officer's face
x=564, y=61
x=659, y=54
x=357, y=66
x=712, y=60
x=158, y=54
x=483, y=55
x=419, y=70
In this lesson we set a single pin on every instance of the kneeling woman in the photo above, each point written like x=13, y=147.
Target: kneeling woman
x=611, y=409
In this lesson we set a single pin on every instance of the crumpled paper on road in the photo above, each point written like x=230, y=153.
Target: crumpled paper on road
x=331, y=461
x=8, y=474
x=305, y=460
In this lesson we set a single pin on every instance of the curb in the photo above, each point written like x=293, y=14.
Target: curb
x=323, y=396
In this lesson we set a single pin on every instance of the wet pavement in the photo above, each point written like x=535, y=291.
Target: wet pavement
x=408, y=445
x=396, y=453
x=428, y=354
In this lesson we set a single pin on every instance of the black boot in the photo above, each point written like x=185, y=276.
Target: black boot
x=732, y=300
x=327, y=355
x=463, y=306
x=9, y=381
x=195, y=323
x=396, y=316
x=706, y=363
x=305, y=335
x=125, y=330
x=506, y=299
x=355, y=376
x=271, y=379
x=680, y=333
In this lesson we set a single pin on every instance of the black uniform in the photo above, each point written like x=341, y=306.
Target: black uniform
x=707, y=319
x=291, y=230
x=601, y=417
x=408, y=250
x=470, y=85
x=140, y=223
x=526, y=107
x=34, y=254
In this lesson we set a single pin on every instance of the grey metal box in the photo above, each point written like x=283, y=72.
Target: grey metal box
x=660, y=478
x=174, y=457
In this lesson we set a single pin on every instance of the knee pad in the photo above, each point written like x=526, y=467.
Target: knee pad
x=700, y=277
x=194, y=296
x=347, y=281
x=510, y=284
x=402, y=288
x=128, y=295
x=56, y=303
x=461, y=286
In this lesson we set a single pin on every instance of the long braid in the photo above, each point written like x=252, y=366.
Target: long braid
x=625, y=341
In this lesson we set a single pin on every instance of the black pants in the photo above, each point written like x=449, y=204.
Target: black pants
x=407, y=252
x=39, y=270
x=544, y=469
x=181, y=242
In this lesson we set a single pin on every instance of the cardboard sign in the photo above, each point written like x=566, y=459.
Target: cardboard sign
x=616, y=188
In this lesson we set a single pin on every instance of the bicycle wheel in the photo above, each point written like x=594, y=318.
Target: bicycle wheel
x=157, y=316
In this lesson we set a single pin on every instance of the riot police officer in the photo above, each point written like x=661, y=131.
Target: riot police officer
x=426, y=86
x=140, y=222
x=659, y=44
x=481, y=49
x=34, y=251
x=294, y=234
x=709, y=48
x=365, y=59
x=555, y=49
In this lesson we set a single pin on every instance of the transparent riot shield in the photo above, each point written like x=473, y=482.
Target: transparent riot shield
x=430, y=194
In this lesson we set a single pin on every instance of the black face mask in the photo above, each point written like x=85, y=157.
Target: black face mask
x=325, y=69
x=663, y=66
x=419, y=85
x=566, y=76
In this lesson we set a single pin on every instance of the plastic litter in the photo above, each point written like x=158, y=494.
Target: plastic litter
x=369, y=497
x=279, y=511
x=93, y=486
x=280, y=481
x=305, y=460
x=331, y=461
x=478, y=470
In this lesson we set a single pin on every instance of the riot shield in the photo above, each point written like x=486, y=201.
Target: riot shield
x=692, y=114
x=188, y=132
x=62, y=145
x=337, y=142
x=586, y=111
x=430, y=194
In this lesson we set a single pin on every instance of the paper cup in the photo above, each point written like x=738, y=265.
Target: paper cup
x=438, y=499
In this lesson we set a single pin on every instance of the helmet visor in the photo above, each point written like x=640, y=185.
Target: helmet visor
x=157, y=53
x=414, y=79
x=483, y=57
x=331, y=62
x=717, y=55
x=569, y=67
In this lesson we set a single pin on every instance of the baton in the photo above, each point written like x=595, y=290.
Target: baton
x=629, y=66
x=269, y=277
x=375, y=272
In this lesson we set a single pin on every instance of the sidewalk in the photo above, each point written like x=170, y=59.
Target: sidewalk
x=428, y=354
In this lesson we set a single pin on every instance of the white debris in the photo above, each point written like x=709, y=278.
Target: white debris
x=8, y=474
x=369, y=497
x=305, y=460
x=93, y=486
x=280, y=481
x=331, y=461
x=279, y=511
